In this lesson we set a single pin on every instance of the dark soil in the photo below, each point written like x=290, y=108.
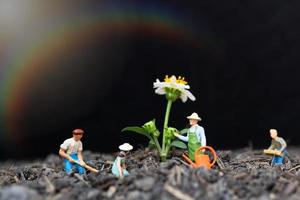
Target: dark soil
x=241, y=174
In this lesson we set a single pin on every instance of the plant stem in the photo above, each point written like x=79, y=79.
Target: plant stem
x=157, y=144
x=167, y=149
x=168, y=109
x=163, y=157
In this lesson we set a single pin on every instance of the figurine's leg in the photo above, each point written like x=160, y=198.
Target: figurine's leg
x=68, y=166
x=277, y=160
x=79, y=168
x=274, y=161
x=115, y=171
x=280, y=160
x=192, y=149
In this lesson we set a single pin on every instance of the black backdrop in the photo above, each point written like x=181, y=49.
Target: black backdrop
x=242, y=66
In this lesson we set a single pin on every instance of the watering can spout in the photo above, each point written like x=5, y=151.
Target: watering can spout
x=189, y=161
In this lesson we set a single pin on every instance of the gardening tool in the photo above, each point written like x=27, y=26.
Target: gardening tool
x=87, y=167
x=201, y=159
x=273, y=152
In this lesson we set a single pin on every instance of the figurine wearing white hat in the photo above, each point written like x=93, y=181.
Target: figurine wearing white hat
x=119, y=168
x=195, y=136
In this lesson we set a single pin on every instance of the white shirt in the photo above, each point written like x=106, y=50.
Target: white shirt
x=71, y=146
x=199, y=130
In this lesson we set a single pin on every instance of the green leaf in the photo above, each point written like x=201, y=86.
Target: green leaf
x=151, y=143
x=183, y=131
x=179, y=144
x=137, y=129
x=150, y=128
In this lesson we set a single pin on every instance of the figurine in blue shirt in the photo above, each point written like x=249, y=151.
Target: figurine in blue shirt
x=195, y=136
x=279, y=145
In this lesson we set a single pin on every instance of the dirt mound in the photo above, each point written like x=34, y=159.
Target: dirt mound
x=240, y=174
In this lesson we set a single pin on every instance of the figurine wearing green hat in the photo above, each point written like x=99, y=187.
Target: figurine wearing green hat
x=195, y=136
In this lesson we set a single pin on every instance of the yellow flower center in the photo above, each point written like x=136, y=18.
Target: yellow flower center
x=179, y=80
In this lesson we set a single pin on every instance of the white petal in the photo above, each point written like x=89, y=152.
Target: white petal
x=181, y=86
x=183, y=97
x=157, y=83
x=167, y=84
x=160, y=91
x=173, y=85
x=189, y=95
x=186, y=87
x=160, y=85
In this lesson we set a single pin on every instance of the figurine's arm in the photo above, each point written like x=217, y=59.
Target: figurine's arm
x=181, y=137
x=123, y=165
x=202, y=138
x=283, y=144
x=62, y=153
x=80, y=158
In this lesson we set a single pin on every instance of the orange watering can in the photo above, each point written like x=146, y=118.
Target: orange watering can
x=202, y=160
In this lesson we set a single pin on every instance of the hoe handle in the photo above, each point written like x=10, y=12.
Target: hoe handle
x=88, y=167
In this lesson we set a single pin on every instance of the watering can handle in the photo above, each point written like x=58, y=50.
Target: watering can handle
x=211, y=150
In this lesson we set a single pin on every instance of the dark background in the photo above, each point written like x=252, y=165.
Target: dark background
x=240, y=59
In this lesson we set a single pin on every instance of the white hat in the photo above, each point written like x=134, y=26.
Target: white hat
x=194, y=116
x=125, y=147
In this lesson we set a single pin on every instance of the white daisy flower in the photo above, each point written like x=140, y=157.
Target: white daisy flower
x=174, y=88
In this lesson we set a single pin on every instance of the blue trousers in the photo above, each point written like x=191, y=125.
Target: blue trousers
x=278, y=160
x=69, y=166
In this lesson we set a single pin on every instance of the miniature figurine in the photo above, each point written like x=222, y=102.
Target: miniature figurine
x=119, y=168
x=71, y=150
x=277, y=148
x=195, y=137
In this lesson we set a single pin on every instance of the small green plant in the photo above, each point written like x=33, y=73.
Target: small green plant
x=173, y=88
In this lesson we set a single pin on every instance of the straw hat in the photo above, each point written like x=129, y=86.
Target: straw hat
x=125, y=147
x=194, y=116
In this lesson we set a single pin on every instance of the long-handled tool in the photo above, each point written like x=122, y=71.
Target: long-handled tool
x=87, y=167
x=273, y=152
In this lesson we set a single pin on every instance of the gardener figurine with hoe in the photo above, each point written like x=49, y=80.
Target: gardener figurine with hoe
x=278, y=145
x=71, y=150
x=195, y=136
x=119, y=168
